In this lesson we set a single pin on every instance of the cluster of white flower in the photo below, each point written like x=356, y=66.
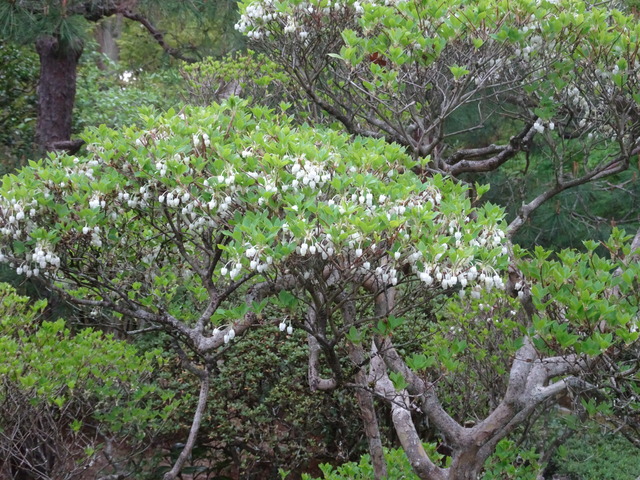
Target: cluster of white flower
x=150, y=136
x=490, y=238
x=283, y=326
x=535, y=43
x=95, y=235
x=578, y=102
x=485, y=279
x=386, y=274
x=200, y=139
x=364, y=256
x=264, y=17
x=323, y=244
x=161, y=166
x=308, y=174
x=256, y=263
x=222, y=180
x=230, y=335
x=255, y=17
x=236, y=269
x=440, y=270
x=269, y=185
x=539, y=125
x=41, y=259
x=133, y=201
x=18, y=218
x=437, y=270
x=97, y=202
x=305, y=249
x=85, y=169
x=175, y=197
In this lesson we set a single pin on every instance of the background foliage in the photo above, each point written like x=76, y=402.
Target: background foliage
x=65, y=397
x=18, y=80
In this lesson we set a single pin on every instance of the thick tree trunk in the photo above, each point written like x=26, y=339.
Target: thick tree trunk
x=466, y=464
x=56, y=92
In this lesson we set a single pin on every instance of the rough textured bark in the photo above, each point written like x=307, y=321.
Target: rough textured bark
x=400, y=404
x=56, y=91
x=364, y=397
x=528, y=387
x=316, y=382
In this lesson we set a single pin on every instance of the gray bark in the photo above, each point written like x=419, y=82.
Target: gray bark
x=195, y=427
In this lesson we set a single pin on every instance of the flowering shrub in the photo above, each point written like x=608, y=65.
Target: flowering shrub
x=143, y=209
x=211, y=221
x=227, y=201
x=567, y=59
x=561, y=73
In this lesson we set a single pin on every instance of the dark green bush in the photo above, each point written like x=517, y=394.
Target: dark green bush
x=18, y=81
x=594, y=454
x=261, y=414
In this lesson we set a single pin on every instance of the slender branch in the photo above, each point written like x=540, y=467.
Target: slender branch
x=156, y=34
x=469, y=153
x=255, y=294
x=620, y=164
x=195, y=426
x=164, y=319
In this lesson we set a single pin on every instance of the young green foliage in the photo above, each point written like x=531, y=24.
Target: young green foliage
x=63, y=395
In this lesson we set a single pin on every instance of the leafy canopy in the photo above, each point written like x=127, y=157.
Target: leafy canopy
x=218, y=193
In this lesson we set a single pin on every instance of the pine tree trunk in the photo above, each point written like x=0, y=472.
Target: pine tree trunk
x=56, y=93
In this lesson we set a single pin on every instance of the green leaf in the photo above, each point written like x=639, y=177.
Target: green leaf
x=395, y=322
x=458, y=72
x=399, y=383
x=354, y=336
x=18, y=247
x=419, y=362
x=287, y=299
